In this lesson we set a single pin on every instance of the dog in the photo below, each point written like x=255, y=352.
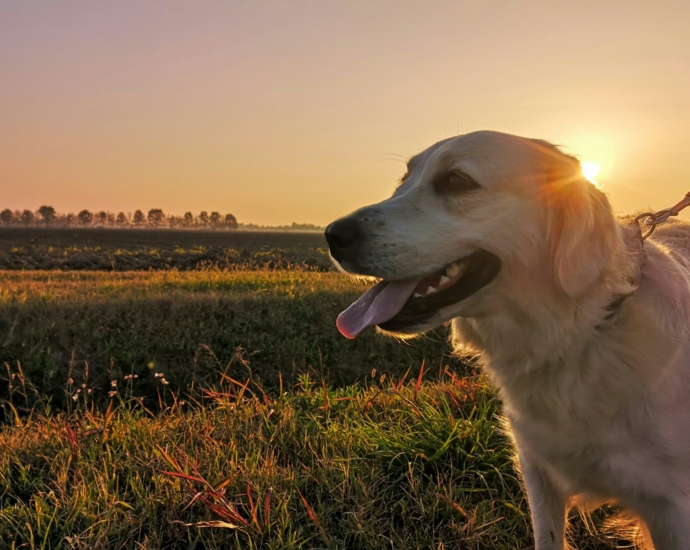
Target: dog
x=583, y=328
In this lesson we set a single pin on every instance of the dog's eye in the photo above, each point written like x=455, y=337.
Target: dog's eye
x=454, y=182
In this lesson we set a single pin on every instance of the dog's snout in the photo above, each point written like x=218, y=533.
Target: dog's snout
x=341, y=235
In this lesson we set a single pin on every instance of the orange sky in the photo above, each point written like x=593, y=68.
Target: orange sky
x=298, y=111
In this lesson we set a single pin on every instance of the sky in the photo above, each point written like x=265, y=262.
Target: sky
x=283, y=111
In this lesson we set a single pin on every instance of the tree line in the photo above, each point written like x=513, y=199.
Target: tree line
x=155, y=218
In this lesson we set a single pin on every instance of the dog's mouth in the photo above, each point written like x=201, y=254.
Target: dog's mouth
x=398, y=305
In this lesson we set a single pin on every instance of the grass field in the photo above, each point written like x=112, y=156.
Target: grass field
x=211, y=409
x=95, y=327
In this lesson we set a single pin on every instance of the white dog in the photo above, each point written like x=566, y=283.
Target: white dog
x=583, y=329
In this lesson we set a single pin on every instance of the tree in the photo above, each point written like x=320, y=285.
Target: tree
x=215, y=219
x=203, y=218
x=156, y=217
x=188, y=219
x=27, y=217
x=102, y=217
x=47, y=213
x=230, y=221
x=85, y=217
x=69, y=219
x=138, y=218
x=6, y=216
x=121, y=219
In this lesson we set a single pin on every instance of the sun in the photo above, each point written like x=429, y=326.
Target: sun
x=590, y=170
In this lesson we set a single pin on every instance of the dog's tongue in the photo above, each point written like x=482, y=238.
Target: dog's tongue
x=377, y=305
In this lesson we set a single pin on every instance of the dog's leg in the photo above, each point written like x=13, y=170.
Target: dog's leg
x=547, y=504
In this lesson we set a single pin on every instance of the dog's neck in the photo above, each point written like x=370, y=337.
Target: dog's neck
x=542, y=349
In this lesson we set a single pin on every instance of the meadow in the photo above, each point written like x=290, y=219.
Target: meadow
x=216, y=406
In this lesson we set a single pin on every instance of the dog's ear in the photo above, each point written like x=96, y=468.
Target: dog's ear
x=581, y=227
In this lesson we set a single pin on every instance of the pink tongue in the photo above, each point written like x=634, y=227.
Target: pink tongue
x=377, y=305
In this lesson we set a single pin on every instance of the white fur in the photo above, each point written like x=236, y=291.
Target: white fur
x=597, y=407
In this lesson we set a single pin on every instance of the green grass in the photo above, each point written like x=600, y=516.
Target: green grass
x=376, y=467
x=396, y=464
x=94, y=327
x=221, y=409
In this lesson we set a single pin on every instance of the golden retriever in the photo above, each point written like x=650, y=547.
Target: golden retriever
x=582, y=328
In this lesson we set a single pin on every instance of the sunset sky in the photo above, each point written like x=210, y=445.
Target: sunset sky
x=282, y=111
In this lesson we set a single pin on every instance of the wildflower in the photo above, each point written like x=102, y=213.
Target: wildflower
x=75, y=397
x=69, y=381
x=128, y=376
x=182, y=403
x=89, y=392
x=111, y=394
x=113, y=383
x=83, y=385
x=158, y=375
x=164, y=382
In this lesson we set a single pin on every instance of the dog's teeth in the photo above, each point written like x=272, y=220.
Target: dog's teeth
x=458, y=268
x=443, y=280
x=453, y=270
x=430, y=290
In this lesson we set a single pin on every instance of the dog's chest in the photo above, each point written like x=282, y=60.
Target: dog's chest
x=601, y=426
x=549, y=439
x=572, y=451
x=617, y=457
x=566, y=436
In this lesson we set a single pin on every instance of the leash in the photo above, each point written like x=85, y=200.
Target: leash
x=651, y=220
x=654, y=219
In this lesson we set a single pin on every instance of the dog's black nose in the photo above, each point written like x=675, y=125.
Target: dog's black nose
x=341, y=235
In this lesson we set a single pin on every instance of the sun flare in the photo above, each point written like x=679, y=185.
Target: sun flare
x=590, y=170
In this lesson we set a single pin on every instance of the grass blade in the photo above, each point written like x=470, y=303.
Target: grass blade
x=315, y=520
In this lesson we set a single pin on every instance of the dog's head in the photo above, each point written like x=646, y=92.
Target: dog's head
x=475, y=217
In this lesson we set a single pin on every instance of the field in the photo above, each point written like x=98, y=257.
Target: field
x=271, y=325
x=218, y=407
x=141, y=250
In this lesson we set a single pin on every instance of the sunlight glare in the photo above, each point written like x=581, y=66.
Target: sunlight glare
x=590, y=170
